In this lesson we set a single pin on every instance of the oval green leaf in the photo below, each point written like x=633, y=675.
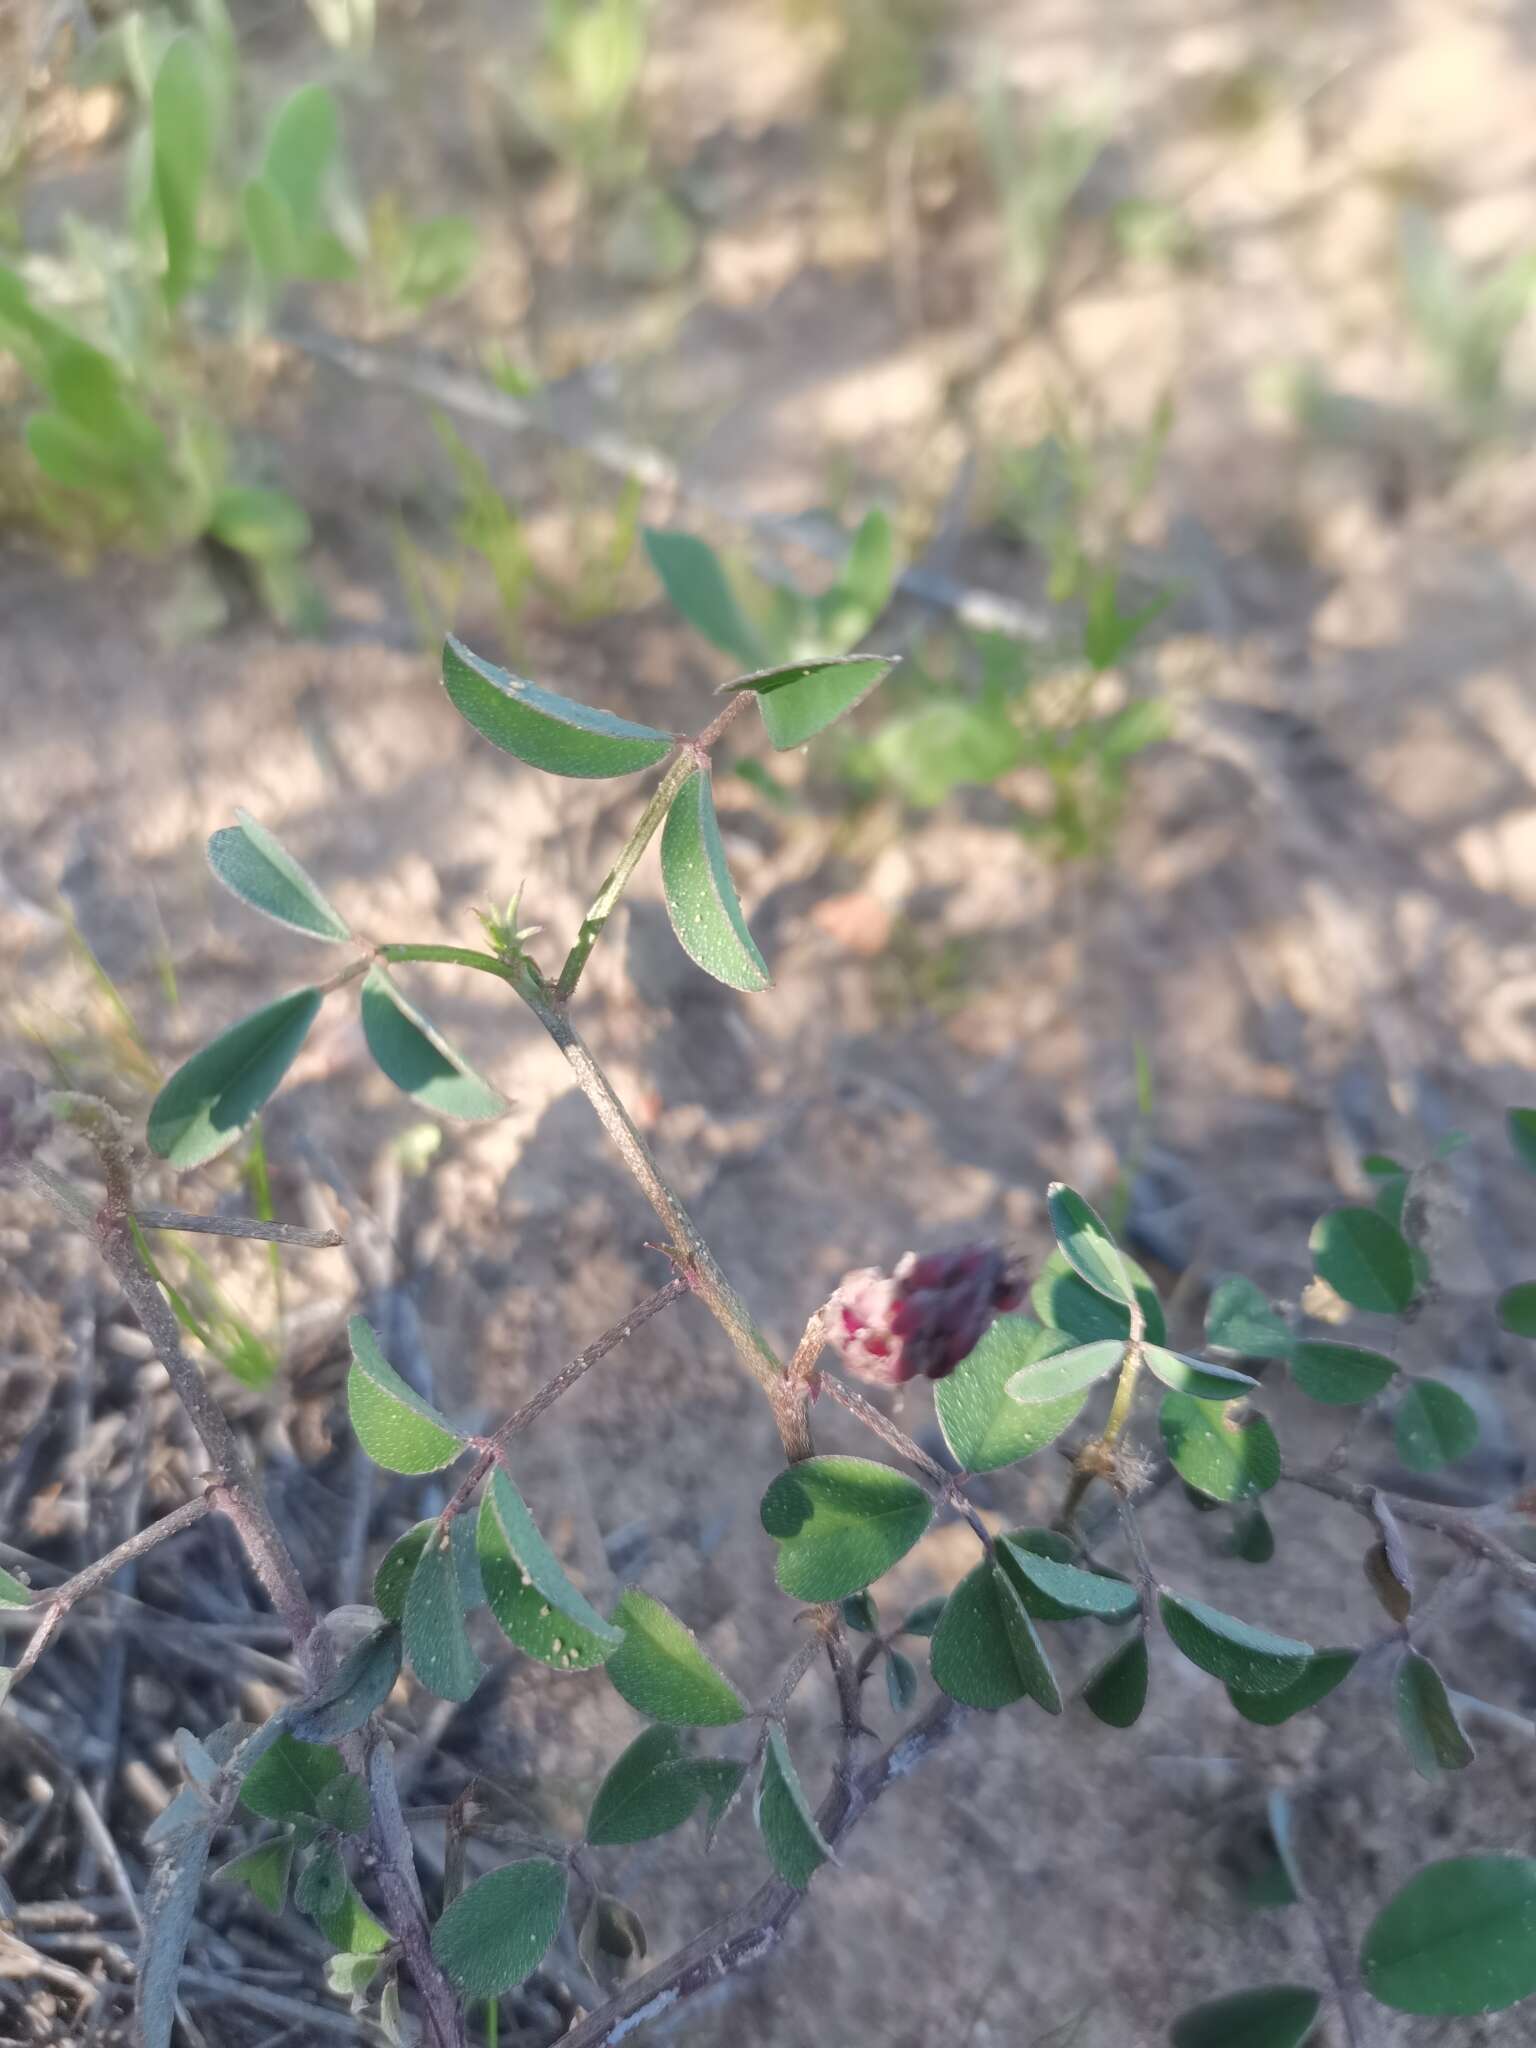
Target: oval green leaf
x=1251, y=1659
x=785, y=1821
x=840, y=1523
x=182, y=116
x=499, y=1930
x=261, y=872
x=1240, y=1318
x=1323, y=1670
x=1075, y=1591
x=985, y=1650
x=1064, y=1302
x=286, y=1780
x=1117, y=1691
x=1065, y=1373
x=1517, y=1309
x=394, y=1425
x=1225, y=1456
x=694, y=579
x=900, y=1681
x=1273, y=2016
x=207, y=1103
x=1340, y=1374
x=650, y=1790
x=436, y=1640
x=1196, y=1376
x=411, y=1053
x=803, y=699
x=1432, y=1426
x=661, y=1670
x=543, y=729
x=527, y=1589
x=1457, y=1940
x=1435, y=1739
x=983, y=1428
x=363, y=1682
x=701, y=897
x=1087, y=1243
x=1365, y=1260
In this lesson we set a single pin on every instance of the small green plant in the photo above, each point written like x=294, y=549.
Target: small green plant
x=1465, y=323
x=1036, y=182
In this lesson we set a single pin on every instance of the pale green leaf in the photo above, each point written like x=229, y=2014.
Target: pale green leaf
x=394, y=1425
x=259, y=869
x=546, y=730
x=1227, y=1456
x=701, y=897
x=1197, y=1376
x=661, y=1670
x=1063, y=1374
x=982, y=1426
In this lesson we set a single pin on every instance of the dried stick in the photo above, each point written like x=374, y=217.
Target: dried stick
x=1467, y=1532
x=239, y=1226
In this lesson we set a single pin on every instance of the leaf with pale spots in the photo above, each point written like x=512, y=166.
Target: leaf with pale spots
x=526, y=1587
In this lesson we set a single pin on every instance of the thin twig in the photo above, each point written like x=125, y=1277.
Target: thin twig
x=617, y=878
x=1465, y=1531
x=239, y=1226
x=1146, y=1578
x=944, y=1483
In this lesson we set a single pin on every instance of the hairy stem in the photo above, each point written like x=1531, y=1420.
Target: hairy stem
x=943, y=1483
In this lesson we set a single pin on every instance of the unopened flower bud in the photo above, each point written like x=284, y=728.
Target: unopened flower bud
x=923, y=1318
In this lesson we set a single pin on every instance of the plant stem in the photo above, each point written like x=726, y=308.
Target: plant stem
x=1467, y=1532
x=944, y=1483
x=239, y=1226
x=606, y=899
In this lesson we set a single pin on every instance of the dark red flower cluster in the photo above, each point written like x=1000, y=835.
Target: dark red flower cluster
x=923, y=1318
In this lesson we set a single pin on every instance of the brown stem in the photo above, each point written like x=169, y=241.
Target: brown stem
x=943, y=1483
x=239, y=1226
x=1465, y=1531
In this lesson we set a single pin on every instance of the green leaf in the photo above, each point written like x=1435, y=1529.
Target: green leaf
x=840, y=1523
x=351, y=1928
x=924, y=1618
x=1432, y=1426
x=1063, y=1374
x=1275, y=2016
x=785, y=1821
x=208, y=1102
x=1435, y=1739
x=652, y=1789
x=182, y=114
x=1458, y=1939
x=693, y=578
x=269, y=231
x=286, y=1780
x=804, y=698
x=412, y=1054
x=526, y=1586
x=1521, y=1126
x=394, y=1425
x=1517, y=1309
x=250, y=861
x=860, y=1612
x=263, y=1871
x=263, y=523
x=436, y=1640
x=1253, y=1540
x=983, y=1428
x=701, y=897
x=12, y=1592
x=1064, y=1302
x=985, y=1650
x=1220, y=1454
x=364, y=1681
x=1117, y=1691
x=1085, y=1239
x=438, y=259
x=1364, y=1259
x=301, y=147
x=1340, y=1373
x=392, y=1580
x=1240, y=1655
x=944, y=745
x=1323, y=1670
x=865, y=581
x=900, y=1681
x=543, y=729
x=344, y=1804
x=1240, y=1319
x=660, y=1669
x=1196, y=1376
x=1073, y=1589
x=499, y=1930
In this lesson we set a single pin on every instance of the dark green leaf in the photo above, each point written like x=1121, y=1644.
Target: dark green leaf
x=1275, y=2016
x=394, y=1425
x=436, y=1640
x=649, y=1791
x=207, y=1103
x=660, y=1669
x=1073, y=1589
x=182, y=115
x=1253, y=1540
x=261, y=872
x=1196, y=1376
x=1046, y=1543
x=1064, y=1302
x=1364, y=1259
x=1521, y=1126
x=1458, y=1939
x=285, y=1782
x=692, y=576
x=322, y=1884
x=924, y=1618
x=701, y=897
x=1240, y=1655
x=343, y=1804
x=1339, y=1373
x=1085, y=1239
x=499, y=1930
x=534, y=1602
x=1226, y=1456
x=1435, y=1739
x=982, y=1426
x=860, y=1612
x=392, y=1580
x=1517, y=1309
x=1240, y=1319
x=263, y=1871
x=985, y=1650
x=900, y=1680
x=1432, y=1426
x=803, y=699
x=840, y=1522
x=1117, y=1691
x=1323, y=1670
x=1064, y=1375
x=785, y=1821
x=364, y=1681
x=418, y=1060
x=543, y=729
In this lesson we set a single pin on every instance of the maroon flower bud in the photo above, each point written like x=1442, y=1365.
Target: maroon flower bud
x=923, y=1318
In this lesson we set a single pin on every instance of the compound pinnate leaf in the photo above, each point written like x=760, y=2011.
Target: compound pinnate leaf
x=1517, y=1309
x=661, y=1670
x=207, y=1103
x=1521, y=1127
x=527, y=1589
x=263, y=1871
x=785, y=1821
x=1196, y=1376
x=701, y=897
x=543, y=729
x=977, y=1644
x=693, y=578
x=1226, y=1456
x=1085, y=1239
x=982, y=1426
x=652, y=1789
x=1435, y=1739
x=840, y=1523
x=1433, y=1425
x=803, y=699
x=499, y=1930
x=1323, y=1670
x=1340, y=1374
x=419, y=1061
x=364, y=1681
x=1064, y=1302
x=260, y=870
x=1365, y=1260
x=1240, y=1319
x=285, y=1782
x=1240, y=1655
x=1074, y=1590
x=1458, y=1939
x=1117, y=1691
x=1272, y=2016
x=1061, y=1374
x=436, y=1640
x=394, y=1425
